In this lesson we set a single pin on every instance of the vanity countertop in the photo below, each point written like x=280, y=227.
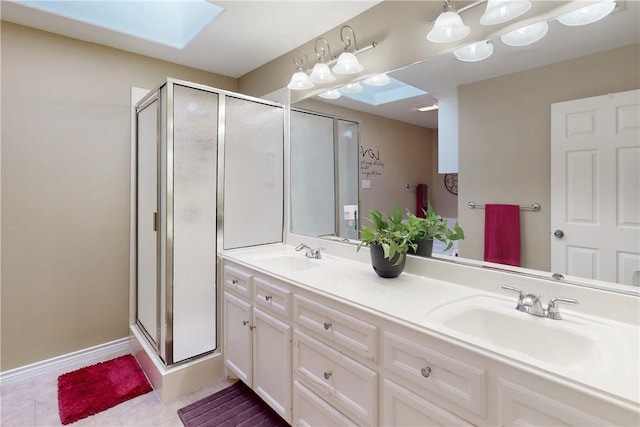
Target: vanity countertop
x=414, y=299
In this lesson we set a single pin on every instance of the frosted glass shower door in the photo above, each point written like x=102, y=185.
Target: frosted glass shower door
x=253, y=173
x=195, y=136
x=147, y=290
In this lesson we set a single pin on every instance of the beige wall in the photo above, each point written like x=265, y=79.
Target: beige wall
x=405, y=152
x=504, y=131
x=65, y=189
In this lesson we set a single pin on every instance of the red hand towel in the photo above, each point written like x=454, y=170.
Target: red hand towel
x=502, y=234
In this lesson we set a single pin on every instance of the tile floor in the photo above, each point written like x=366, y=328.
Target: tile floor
x=34, y=402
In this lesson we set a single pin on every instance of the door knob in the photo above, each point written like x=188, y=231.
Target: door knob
x=559, y=234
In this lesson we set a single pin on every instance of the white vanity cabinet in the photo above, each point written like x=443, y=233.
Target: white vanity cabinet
x=257, y=335
x=336, y=362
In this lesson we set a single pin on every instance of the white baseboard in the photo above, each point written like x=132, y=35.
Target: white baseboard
x=67, y=362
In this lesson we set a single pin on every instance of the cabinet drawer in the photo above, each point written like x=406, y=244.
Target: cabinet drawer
x=341, y=330
x=271, y=297
x=442, y=375
x=518, y=404
x=344, y=383
x=310, y=410
x=403, y=407
x=237, y=280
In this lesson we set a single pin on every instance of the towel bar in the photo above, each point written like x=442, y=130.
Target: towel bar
x=535, y=207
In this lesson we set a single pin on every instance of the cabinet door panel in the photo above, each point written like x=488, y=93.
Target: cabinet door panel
x=447, y=378
x=238, y=281
x=237, y=337
x=271, y=297
x=272, y=362
x=521, y=406
x=404, y=408
x=349, y=333
x=346, y=384
x=311, y=410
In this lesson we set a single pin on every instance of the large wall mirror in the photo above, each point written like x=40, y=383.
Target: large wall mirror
x=504, y=125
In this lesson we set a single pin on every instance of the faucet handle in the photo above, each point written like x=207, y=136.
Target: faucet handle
x=553, y=310
x=511, y=288
x=317, y=254
x=521, y=297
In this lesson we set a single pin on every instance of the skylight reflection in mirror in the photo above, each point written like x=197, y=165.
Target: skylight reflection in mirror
x=379, y=95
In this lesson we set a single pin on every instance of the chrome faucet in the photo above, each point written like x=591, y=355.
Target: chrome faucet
x=309, y=252
x=530, y=303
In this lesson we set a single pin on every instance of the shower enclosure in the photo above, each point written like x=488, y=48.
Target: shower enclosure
x=209, y=164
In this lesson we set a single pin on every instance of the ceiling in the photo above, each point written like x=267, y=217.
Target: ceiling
x=247, y=34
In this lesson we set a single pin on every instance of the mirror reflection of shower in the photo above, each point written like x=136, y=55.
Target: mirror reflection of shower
x=324, y=176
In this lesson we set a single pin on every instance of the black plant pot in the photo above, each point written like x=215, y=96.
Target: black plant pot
x=424, y=249
x=383, y=266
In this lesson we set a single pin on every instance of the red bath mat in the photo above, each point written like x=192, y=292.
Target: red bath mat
x=95, y=388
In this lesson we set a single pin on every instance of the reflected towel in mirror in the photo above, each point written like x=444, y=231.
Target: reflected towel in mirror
x=502, y=234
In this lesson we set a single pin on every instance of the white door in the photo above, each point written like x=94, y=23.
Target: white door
x=272, y=362
x=237, y=338
x=595, y=187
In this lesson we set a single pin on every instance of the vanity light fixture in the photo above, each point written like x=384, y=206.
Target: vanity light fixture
x=300, y=79
x=346, y=63
x=330, y=94
x=499, y=11
x=588, y=14
x=526, y=35
x=448, y=26
x=474, y=52
x=378, y=80
x=321, y=72
x=427, y=107
x=352, y=88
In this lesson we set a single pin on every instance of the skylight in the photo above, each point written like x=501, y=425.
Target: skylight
x=172, y=23
x=378, y=95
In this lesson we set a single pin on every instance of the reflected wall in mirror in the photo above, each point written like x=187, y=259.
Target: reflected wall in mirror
x=504, y=115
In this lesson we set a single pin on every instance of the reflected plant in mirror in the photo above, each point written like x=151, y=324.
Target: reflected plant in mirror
x=429, y=227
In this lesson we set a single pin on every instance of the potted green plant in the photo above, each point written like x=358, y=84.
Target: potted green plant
x=388, y=239
x=432, y=226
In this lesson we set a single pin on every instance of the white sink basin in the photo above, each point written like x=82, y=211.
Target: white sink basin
x=291, y=262
x=574, y=342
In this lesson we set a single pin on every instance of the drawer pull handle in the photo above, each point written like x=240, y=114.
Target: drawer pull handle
x=268, y=297
x=234, y=282
x=327, y=375
x=425, y=372
x=245, y=322
x=252, y=327
x=327, y=326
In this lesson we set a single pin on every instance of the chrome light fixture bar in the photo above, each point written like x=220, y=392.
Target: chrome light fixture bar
x=346, y=63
